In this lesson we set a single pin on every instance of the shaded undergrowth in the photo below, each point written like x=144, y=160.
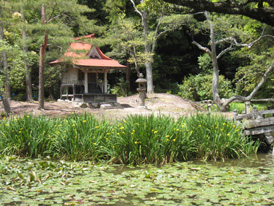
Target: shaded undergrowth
x=133, y=140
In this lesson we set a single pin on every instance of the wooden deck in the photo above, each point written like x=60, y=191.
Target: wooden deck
x=258, y=123
x=91, y=97
x=75, y=92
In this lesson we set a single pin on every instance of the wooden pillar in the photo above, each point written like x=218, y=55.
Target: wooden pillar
x=105, y=82
x=61, y=90
x=247, y=107
x=128, y=77
x=67, y=91
x=86, y=81
x=73, y=91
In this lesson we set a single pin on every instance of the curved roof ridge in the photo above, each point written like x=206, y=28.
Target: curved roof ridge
x=102, y=54
x=89, y=36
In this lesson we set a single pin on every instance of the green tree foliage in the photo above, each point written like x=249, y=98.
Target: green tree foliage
x=155, y=20
x=199, y=87
x=225, y=33
x=261, y=10
x=248, y=76
x=126, y=41
x=52, y=24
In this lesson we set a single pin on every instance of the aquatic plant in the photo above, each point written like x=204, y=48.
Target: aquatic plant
x=80, y=137
x=134, y=140
x=145, y=139
x=32, y=181
x=27, y=136
x=215, y=137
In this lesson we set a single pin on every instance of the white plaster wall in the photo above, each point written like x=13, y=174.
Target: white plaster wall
x=70, y=76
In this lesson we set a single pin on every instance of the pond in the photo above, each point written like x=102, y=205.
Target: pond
x=46, y=182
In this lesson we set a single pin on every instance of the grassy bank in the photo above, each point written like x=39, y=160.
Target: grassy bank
x=134, y=140
x=240, y=106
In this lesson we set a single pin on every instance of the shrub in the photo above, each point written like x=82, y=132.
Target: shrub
x=199, y=87
x=120, y=88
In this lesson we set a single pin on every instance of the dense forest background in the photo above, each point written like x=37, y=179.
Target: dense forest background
x=172, y=42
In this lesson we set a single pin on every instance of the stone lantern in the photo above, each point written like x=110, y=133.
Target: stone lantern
x=142, y=89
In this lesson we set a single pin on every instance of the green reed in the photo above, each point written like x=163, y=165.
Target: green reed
x=134, y=140
x=27, y=136
x=80, y=137
x=215, y=137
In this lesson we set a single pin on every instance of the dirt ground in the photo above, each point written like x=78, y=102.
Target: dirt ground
x=156, y=103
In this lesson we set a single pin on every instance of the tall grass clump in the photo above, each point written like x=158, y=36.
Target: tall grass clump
x=27, y=136
x=144, y=139
x=81, y=137
x=134, y=140
x=216, y=137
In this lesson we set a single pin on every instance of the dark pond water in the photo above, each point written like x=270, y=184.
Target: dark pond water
x=44, y=182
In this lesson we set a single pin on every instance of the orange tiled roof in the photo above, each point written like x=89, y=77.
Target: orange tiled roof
x=98, y=63
x=77, y=50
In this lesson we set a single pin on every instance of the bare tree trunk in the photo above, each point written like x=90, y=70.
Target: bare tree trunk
x=25, y=49
x=215, y=79
x=223, y=105
x=42, y=62
x=4, y=95
x=148, y=48
x=253, y=93
x=148, y=64
x=128, y=77
x=149, y=76
x=6, y=104
x=7, y=87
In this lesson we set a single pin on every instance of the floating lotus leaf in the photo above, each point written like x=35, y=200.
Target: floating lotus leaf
x=34, y=181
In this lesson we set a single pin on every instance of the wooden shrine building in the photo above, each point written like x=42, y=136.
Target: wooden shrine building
x=86, y=70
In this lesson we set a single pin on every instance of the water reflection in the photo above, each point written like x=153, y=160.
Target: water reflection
x=259, y=160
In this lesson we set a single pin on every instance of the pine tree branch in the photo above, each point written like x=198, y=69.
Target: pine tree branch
x=55, y=17
x=52, y=12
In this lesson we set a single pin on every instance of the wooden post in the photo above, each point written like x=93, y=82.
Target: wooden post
x=67, y=91
x=61, y=92
x=128, y=77
x=96, y=79
x=86, y=81
x=247, y=107
x=105, y=82
x=235, y=114
x=73, y=90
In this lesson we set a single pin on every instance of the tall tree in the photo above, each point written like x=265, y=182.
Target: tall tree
x=149, y=45
x=225, y=44
x=58, y=20
x=42, y=59
x=151, y=15
x=25, y=49
x=4, y=71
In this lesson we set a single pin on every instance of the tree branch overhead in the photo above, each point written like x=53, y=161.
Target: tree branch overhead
x=263, y=14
